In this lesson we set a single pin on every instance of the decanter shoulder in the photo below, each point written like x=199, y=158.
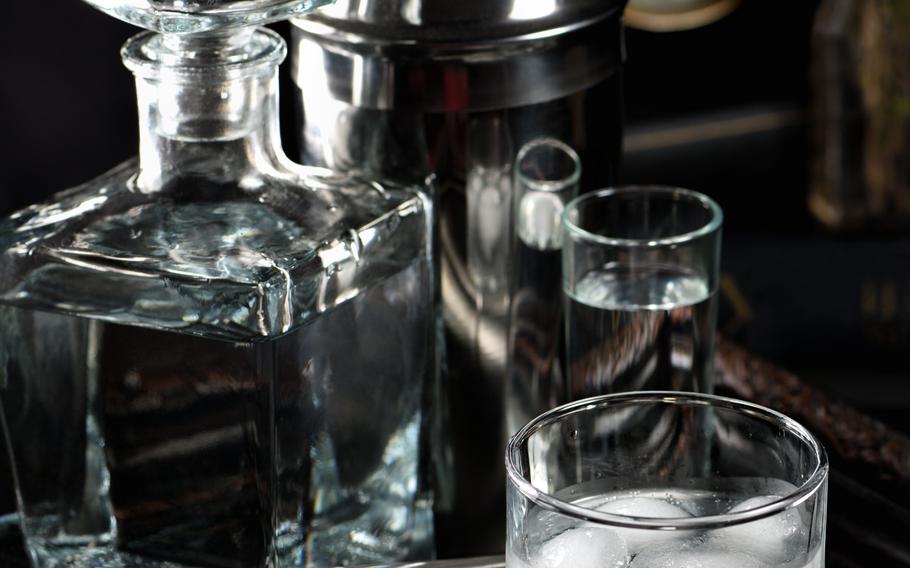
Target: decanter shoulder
x=245, y=259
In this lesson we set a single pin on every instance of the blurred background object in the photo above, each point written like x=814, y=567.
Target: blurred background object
x=861, y=104
x=676, y=15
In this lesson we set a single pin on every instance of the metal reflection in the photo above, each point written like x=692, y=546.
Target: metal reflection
x=532, y=9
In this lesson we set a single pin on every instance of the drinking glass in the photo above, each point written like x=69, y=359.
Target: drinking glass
x=640, y=277
x=665, y=480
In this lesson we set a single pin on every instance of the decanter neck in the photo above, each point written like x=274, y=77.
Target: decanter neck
x=207, y=106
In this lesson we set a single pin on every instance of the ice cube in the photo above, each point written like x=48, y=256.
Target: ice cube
x=692, y=555
x=773, y=539
x=583, y=547
x=650, y=507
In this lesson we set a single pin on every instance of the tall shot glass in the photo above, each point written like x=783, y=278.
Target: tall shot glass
x=640, y=276
x=547, y=172
x=616, y=482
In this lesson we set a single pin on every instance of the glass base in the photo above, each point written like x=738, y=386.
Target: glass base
x=179, y=17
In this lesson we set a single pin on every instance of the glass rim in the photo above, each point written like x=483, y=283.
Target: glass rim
x=551, y=186
x=545, y=500
x=576, y=231
x=262, y=60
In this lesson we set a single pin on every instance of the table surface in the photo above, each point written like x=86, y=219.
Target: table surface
x=843, y=551
x=12, y=553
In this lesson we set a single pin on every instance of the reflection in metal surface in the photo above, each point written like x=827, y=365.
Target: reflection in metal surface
x=453, y=77
x=488, y=188
x=411, y=12
x=464, y=21
x=532, y=10
x=377, y=95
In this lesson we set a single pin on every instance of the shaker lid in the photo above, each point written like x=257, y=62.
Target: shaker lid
x=457, y=21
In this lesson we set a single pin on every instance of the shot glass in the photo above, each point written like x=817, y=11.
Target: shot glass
x=547, y=172
x=619, y=481
x=640, y=277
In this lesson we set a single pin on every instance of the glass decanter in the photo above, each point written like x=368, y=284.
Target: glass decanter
x=211, y=355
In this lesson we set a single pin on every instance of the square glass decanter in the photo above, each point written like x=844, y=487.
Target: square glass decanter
x=212, y=356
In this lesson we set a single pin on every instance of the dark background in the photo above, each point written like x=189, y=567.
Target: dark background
x=806, y=298
x=810, y=299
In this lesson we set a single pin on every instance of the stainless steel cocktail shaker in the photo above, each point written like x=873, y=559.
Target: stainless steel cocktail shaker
x=453, y=90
